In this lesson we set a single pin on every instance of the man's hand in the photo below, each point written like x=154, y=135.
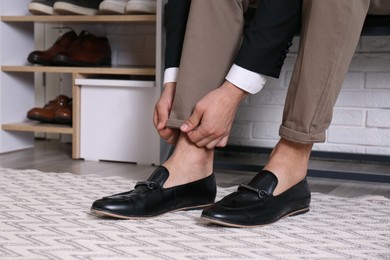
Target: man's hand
x=210, y=123
x=161, y=113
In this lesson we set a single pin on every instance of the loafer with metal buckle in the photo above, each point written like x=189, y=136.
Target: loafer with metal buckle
x=254, y=205
x=150, y=199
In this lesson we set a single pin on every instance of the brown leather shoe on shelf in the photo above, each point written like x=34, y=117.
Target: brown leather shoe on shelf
x=64, y=114
x=48, y=112
x=46, y=57
x=88, y=51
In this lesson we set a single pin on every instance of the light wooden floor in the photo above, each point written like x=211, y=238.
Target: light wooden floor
x=53, y=156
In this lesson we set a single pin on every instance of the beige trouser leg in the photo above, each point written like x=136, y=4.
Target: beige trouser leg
x=329, y=36
x=330, y=33
x=213, y=36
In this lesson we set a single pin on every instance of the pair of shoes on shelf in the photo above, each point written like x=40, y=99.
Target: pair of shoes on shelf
x=128, y=7
x=91, y=7
x=57, y=111
x=251, y=205
x=84, y=50
x=64, y=7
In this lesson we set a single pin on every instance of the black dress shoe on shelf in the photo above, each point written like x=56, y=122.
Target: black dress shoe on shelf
x=254, y=205
x=150, y=199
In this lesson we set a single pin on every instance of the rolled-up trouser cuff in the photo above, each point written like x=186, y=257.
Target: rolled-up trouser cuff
x=329, y=36
x=299, y=137
x=174, y=123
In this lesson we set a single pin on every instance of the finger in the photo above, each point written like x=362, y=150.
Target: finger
x=166, y=133
x=199, y=136
x=170, y=135
x=210, y=141
x=155, y=118
x=223, y=142
x=212, y=144
x=158, y=119
x=193, y=121
x=161, y=118
x=173, y=138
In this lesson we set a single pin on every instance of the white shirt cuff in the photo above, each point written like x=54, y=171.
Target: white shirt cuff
x=247, y=80
x=170, y=75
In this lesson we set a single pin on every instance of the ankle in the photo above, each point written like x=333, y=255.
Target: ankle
x=289, y=162
x=188, y=163
x=185, y=173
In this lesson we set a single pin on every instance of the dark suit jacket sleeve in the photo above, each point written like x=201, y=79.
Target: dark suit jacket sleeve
x=175, y=22
x=269, y=35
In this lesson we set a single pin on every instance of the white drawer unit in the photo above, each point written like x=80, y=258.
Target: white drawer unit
x=116, y=121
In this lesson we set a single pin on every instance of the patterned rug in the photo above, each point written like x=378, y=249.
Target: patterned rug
x=46, y=216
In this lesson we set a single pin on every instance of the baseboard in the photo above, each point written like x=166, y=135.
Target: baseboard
x=333, y=165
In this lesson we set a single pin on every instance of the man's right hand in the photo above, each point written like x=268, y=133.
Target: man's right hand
x=211, y=121
x=161, y=114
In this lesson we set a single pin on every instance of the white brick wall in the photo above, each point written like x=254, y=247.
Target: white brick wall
x=361, y=121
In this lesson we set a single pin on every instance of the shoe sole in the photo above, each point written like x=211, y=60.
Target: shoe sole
x=108, y=8
x=69, y=9
x=40, y=61
x=140, y=8
x=65, y=61
x=40, y=119
x=63, y=121
x=228, y=224
x=113, y=215
x=40, y=9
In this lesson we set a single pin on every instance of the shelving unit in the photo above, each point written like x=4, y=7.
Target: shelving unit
x=79, y=18
x=146, y=71
x=17, y=77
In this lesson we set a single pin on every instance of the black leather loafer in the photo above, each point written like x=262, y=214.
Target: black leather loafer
x=150, y=199
x=254, y=205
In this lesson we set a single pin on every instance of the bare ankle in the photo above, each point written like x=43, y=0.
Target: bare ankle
x=289, y=162
x=188, y=163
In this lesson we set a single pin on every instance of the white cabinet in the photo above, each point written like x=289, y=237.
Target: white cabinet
x=120, y=130
x=17, y=93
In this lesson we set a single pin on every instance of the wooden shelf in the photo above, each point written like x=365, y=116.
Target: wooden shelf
x=79, y=18
x=38, y=127
x=145, y=71
x=19, y=27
